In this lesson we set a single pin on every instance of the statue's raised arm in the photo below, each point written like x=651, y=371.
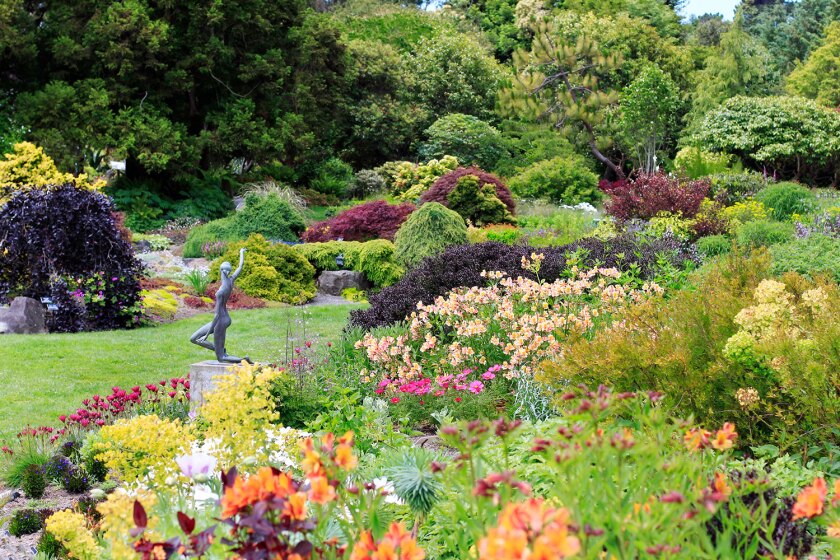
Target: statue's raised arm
x=236, y=272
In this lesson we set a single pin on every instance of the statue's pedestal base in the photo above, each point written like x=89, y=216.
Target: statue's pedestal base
x=201, y=379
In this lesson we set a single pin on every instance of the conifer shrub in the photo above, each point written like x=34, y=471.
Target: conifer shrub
x=267, y=215
x=442, y=188
x=372, y=220
x=25, y=522
x=478, y=202
x=274, y=272
x=786, y=199
x=375, y=259
x=763, y=233
x=428, y=231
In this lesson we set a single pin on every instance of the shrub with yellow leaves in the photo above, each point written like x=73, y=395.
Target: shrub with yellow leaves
x=239, y=413
x=29, y=167
x=143, y=447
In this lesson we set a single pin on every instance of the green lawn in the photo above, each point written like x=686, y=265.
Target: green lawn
x=42, y=376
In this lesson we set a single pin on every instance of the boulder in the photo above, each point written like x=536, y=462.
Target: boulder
x=333, y=282
x=24, y=316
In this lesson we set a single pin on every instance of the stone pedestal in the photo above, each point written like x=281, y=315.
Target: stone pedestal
x=201, y=379
x=24, y=316
x=333, y=282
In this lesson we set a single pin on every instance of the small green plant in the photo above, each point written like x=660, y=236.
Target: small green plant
x=50, y=547
x=354, y=294
x=75, y=480
x=25, y=522
x=763, y=233
x=156, y=242
x=713, y=245
x=198, y=280
x=33, y=482
x=95, y=468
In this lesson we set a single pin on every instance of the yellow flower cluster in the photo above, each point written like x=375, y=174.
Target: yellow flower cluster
x=239, y=413
x=143, y=446
x=742, y=212
x=525, y=319
x=118, y=520
x=69, y=528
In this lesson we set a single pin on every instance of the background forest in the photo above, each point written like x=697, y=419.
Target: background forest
x=201, y=97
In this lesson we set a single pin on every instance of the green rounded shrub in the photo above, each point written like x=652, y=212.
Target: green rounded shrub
x=560, y=180
x=478, y=202
x=262, y=283
x=468, y=138
x=786, y=199
x=332, y=177
x=275, y=272
x=815, y=254
x=51, y=547
x=763, y=233
x=268, y=215
x=428, y=231
x=693, y=162
x=713, y=245
x=25, y=522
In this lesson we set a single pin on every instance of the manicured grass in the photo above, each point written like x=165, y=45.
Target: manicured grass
x=42, y=376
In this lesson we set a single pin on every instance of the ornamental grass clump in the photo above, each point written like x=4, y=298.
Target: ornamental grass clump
x=238, y=413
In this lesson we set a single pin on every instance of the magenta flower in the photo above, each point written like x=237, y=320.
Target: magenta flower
x=476, y=387
x=198, y=463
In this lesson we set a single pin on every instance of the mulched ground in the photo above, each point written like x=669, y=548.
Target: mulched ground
x=23, y=548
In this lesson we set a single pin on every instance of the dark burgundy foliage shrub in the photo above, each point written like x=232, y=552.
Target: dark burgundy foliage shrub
x=462, y=266
x=608, y=186
x=710, y=222
x=440, y=189
x=647, y=195
x=70, y=316
x=68, y=232
x=372, y=220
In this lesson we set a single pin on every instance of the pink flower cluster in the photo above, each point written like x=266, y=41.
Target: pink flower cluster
x=440, y=386
x=99, y=411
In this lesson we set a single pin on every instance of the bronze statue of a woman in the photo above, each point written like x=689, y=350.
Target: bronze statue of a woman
x=221, y=321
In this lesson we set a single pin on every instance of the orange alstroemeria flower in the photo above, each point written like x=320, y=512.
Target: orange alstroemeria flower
x=260, y=486
x=345, y=458
x=320, y=491
x=529, y=530
x=296, y=506
x=811, y=500
x=725, y=437
x=397, y=544
x=696, y=439
x=836, y=499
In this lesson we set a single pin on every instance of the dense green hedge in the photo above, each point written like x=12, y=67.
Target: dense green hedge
x=375, y=259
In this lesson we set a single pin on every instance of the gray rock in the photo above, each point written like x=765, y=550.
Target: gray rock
x=333, y=282
x=24, y=316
